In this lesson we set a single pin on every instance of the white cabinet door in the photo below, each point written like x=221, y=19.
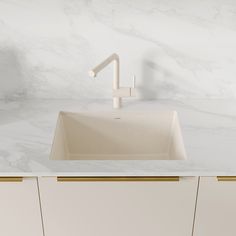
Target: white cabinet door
x=19, y=208
x=216, y=208
x=118, y=208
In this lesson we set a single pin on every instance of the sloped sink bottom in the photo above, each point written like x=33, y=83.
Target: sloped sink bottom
x=118, y=136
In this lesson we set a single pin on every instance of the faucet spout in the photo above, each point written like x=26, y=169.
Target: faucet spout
x=114, y=57
x=116, y=79
x=118, y=92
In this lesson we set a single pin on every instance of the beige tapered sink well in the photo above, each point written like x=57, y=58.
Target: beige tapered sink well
x=118, y=136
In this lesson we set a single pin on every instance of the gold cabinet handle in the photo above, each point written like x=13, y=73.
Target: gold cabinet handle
x=11, y=179
x=226, y=178
x=115, y=178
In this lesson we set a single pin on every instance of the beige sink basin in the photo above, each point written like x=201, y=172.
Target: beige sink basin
x=118, y=136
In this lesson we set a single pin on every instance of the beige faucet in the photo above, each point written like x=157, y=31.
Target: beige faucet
x=118, y=92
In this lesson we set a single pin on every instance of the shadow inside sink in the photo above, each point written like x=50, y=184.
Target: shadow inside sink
x=118, y=136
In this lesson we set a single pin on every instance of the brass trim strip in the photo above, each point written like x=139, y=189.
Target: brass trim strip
x=226, y=178
x=115, y=178
x=11, y=179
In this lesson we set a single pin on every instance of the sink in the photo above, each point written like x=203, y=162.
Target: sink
x=118, y=136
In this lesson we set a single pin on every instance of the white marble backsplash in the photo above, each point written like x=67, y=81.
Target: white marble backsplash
x=176, y=48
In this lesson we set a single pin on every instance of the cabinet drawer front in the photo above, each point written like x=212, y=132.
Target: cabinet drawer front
x=216, y=207
x=19, y=207
x=127, y=208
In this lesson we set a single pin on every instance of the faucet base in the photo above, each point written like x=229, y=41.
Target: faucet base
x=116, y=102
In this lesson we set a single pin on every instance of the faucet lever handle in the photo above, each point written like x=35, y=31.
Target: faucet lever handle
x=133, y=89
x=134, y=81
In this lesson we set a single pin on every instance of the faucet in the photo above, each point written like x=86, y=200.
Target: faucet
x=118, y=92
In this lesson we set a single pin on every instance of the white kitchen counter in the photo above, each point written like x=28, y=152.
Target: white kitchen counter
x=27, y=129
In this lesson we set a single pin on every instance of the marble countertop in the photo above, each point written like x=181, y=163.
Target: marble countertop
x=27, y=129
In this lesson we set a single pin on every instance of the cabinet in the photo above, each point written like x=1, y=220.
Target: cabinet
x=216, y=208
x=19, y=207
x=130, y=208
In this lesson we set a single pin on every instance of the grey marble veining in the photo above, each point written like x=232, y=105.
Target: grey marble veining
x=179, y=49
x=176, y=48
x=27, y=129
